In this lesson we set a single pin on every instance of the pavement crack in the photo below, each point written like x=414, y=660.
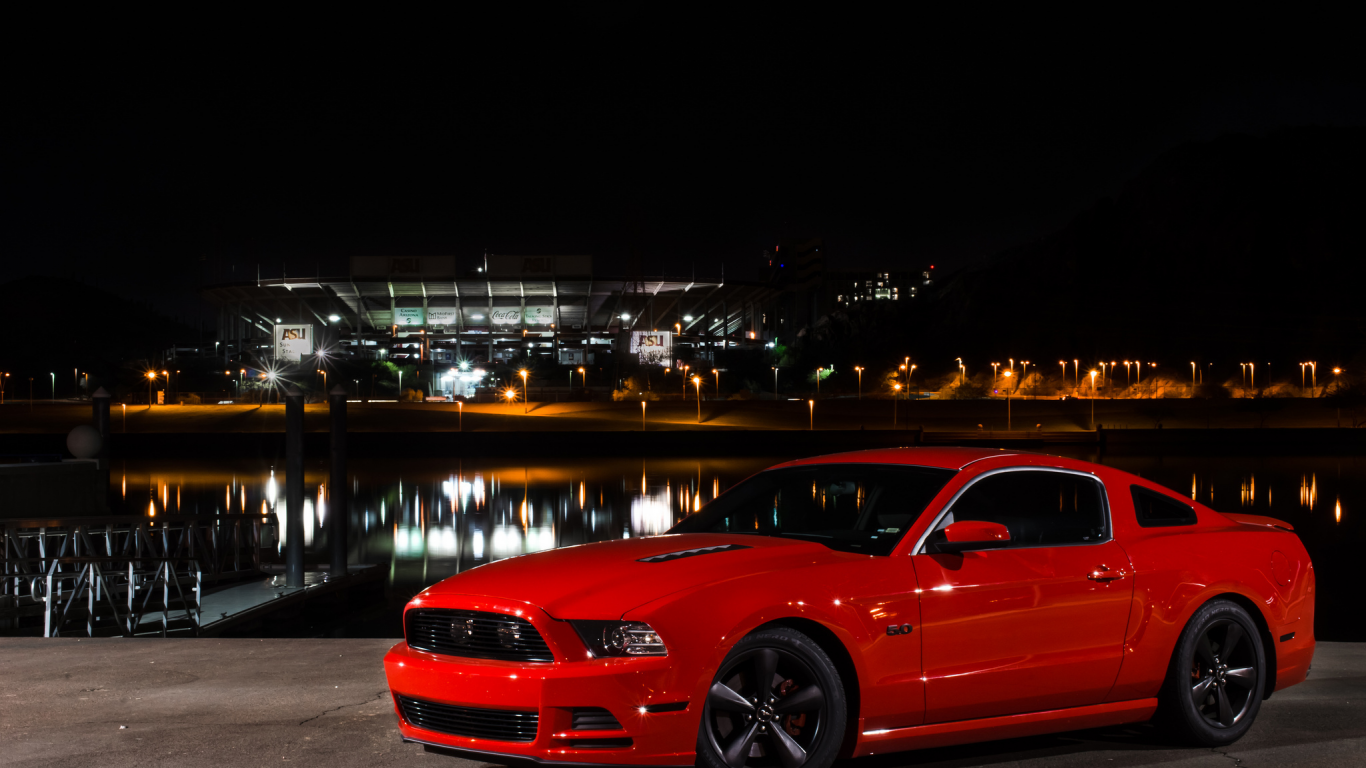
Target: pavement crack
x=374, y=698
x=1237, y=761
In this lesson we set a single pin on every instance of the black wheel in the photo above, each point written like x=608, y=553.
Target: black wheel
x=1214, y=687
x=777, y=700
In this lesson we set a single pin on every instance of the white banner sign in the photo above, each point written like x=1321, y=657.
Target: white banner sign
x=293, y=342
x=506, y=315
x=441, y=316
x=653, y=347
x=407, y=315
x=514, y=315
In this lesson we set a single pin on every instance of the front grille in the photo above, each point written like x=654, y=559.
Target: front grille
x=496, y=724
x=476, y=634
x=594, y=719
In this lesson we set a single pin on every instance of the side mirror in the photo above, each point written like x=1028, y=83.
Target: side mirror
x=966, y=536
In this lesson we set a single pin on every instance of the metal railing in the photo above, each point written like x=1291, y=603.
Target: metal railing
x=113, y=574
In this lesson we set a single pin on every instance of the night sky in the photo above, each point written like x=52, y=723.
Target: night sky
x=155, y=154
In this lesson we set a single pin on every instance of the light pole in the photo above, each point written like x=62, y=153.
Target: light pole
x=717, y=373
x=1126, y=371
x=1024, y=372
x=775, y=382
x=1076, y=372
x=460, y=405
x=1252, y=367
x=400, y=384
x=1063, y=363
x=994, y=367
x=151, y=377
x=860, y=381
x=896, y=395
x=697, y=384
x=1008, y=374
x=584, y=375
x=357, y=383
x=818, y=381
x=642, y=415
x=1314, y=378
x=1302, y=367
x=686, y=368
x=54, y=386
x=1138, y=375
x=526, y=402
x=1093, y=399
x=962, y=370
x=812, y=405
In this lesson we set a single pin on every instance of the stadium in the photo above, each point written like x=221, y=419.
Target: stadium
x=430, y=310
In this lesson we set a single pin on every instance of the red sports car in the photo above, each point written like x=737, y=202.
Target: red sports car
x=865, y=603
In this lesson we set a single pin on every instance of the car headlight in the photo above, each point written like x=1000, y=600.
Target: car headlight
x=620, y=638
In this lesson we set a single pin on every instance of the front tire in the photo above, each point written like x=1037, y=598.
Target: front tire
x=1218, y=671
x=777, y=701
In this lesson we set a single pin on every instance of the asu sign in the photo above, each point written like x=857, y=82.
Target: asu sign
x=653, y=347
x=293, y=343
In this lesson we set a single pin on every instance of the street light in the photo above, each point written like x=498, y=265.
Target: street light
x=812, y=405
x=818, y=381
x=1008, y=374
x=684, y=370
x=716, y=372
x=1063, y=363
x=642, y=415
x=460, y=404
x=697, y=383
x=896, y=395
x=994, y=367
x=526, y=404
x=775, y=382
x=1093, y=399
x=54, y=386
x=860, y=381
x=1076, y=371
x=151, y=377
x=584, y=374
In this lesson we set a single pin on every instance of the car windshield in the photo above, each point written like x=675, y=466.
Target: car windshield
x=862, y=508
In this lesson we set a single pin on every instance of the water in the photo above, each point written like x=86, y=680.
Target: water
x=433, y=518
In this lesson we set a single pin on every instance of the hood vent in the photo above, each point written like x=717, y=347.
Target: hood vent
x=690, y=553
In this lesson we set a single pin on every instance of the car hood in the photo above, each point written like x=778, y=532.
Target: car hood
x=607, y=579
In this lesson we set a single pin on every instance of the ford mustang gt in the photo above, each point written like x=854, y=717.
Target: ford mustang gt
x=865, y=603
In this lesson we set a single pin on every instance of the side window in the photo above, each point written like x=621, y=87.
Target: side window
x=1155, y=510
x=1040, y=508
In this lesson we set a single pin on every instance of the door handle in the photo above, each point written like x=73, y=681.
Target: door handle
x=1103, y=573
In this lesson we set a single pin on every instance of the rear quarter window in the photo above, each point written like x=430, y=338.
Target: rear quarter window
x=1155, y=510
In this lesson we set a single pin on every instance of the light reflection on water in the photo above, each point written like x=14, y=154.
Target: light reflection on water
x=432, y=518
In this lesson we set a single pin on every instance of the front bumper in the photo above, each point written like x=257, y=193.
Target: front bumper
x=622, y=686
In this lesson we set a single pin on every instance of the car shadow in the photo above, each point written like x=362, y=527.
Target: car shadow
x=1141, y=737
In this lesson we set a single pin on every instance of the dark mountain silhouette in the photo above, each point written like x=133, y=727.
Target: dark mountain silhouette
x=52, y=325
x=1242, y=248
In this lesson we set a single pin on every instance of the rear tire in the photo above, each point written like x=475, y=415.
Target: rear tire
x=777, y=701
x=1214, y=685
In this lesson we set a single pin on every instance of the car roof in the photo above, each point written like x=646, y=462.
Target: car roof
x=943, y=458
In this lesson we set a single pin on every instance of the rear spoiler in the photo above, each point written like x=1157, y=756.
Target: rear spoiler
x=1268, y=522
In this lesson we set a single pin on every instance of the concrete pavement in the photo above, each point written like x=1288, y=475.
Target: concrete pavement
x=249, y=702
